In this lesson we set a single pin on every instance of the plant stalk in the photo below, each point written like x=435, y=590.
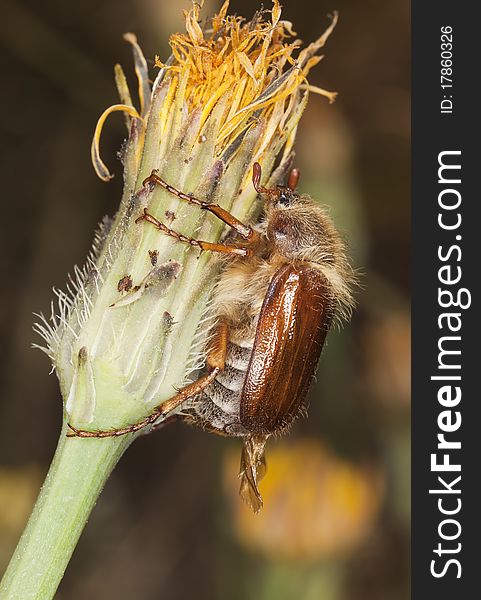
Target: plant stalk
x=75, y=479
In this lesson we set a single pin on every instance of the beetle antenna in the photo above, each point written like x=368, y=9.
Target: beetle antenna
x=293, y=179
x=256, y=179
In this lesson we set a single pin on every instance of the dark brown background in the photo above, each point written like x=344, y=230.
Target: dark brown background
x=56, y=70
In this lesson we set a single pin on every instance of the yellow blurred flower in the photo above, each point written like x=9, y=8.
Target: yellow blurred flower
x=18, y=489
x=316, y=504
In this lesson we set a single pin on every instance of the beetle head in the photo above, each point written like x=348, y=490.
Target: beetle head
x=281, y=196
x=298, y=226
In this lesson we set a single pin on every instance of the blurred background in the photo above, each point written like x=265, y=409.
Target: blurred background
x=337, y=494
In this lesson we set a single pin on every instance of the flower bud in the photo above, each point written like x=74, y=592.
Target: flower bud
x=133, y=321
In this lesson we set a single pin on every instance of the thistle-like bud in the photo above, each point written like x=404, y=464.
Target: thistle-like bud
x=133, y=321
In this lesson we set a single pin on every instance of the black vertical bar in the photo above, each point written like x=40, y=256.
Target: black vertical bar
x=457, y=131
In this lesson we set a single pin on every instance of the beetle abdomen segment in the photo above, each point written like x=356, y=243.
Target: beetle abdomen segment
x=217, y=408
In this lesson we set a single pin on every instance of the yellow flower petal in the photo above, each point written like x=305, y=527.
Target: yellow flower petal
x=100, y=167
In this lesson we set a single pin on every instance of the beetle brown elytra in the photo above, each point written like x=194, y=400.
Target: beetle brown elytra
x=285, y=280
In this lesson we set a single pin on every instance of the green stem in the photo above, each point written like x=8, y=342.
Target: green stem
x=76, y=477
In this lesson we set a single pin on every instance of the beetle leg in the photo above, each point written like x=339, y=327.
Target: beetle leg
x=169, y=405
x=252, y=470
x=221, y=248
x=215, y=362
x=167, y=421
x=243, y=230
